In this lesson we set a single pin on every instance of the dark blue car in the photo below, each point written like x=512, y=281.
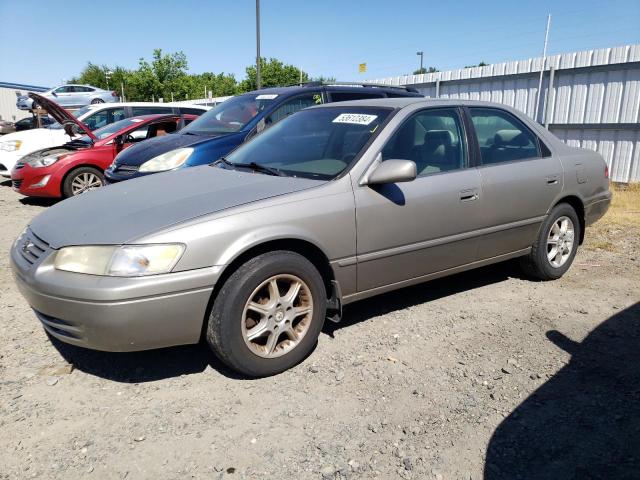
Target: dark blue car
x=231, y=123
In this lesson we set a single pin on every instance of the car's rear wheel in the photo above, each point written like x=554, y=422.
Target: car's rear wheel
x=82, y=180
x=556, y=245
x=96, y=101
x=267, y=316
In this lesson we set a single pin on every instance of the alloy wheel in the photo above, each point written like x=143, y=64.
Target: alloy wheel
x=277, y=315
x=560, y=241
x=84, y=182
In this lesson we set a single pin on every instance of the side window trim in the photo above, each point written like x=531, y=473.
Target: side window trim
x=518, y=122
x=464, y=136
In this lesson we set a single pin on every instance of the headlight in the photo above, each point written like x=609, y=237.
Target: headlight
x=46, y=161
x=10, y=145
x=119, y=261
x=167, y=161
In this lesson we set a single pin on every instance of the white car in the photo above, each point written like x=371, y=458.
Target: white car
x=16, y=145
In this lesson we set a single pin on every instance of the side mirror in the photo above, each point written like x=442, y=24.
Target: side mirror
x=118, y=141
x=54, y=94
x=393, y=171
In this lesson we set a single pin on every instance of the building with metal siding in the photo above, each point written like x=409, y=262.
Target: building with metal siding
x=589, y=99
x=8, y=95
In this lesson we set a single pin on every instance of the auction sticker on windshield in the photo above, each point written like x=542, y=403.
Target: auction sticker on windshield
x=355, y=118
x=266, y=96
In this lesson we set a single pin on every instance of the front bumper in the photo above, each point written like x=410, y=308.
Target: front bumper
x=110, y=313
x=8, y=161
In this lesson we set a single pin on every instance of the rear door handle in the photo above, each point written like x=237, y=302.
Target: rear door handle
x=469, y=195
x=552, y=180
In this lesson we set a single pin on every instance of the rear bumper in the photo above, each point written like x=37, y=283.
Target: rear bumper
x=115, y=314
x=597, y=207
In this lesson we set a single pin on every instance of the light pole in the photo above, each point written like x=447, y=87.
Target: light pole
x=258, y=79
x=107, y=75
x=421, y=55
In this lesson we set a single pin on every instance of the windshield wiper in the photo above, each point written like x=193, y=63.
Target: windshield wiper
x=252, y=165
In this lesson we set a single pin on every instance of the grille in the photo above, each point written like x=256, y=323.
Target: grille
x=16, y=183
x=32, y=247
x=59, y=326
x=127, y=169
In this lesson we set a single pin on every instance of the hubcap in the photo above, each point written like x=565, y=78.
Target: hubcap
x=277, y=316
x=84, y=182
x=560, y=242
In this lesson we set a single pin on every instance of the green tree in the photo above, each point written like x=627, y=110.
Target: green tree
x=481, y=64
x=422, y=70
x=273, y=73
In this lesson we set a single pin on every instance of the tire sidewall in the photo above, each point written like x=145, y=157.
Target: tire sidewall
x=229, y=307
x=562, y=210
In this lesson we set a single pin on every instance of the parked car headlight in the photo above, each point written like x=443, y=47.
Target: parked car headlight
x=10, y=145
x=46, y=161
x=119, y=261
x=167, y=161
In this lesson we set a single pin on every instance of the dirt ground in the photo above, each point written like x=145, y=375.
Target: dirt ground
x=481, y=375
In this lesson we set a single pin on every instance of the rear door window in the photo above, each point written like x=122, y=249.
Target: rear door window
x=293, y=105
x=502, y=137
x=104, y=117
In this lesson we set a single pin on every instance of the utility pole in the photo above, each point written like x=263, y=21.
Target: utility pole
x=544, y=59
x=421, y=55
x=258, y=79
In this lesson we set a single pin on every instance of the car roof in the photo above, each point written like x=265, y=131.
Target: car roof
x=401, y=102
x=100, y=106
x=346, y=87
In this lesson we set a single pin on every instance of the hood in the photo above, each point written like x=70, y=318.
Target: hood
x=123, y=212
x=61, y=116
x=141, y=152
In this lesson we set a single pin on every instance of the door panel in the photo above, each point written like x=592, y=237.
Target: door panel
x=517, y=193
x=407, y=230
x=518, y=184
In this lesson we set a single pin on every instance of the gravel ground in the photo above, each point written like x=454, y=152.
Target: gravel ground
x=481, y=375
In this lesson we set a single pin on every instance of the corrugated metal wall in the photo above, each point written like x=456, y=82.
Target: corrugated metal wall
x=589, y=99
x=8, y=109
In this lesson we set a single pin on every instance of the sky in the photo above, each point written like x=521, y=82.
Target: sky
x=44, y=43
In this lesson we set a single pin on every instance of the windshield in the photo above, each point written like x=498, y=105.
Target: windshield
x=78, y=113
x=315, y=143
x=110, y=129
x=231, y=115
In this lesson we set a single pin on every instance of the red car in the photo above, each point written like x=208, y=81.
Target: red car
x=77, y=167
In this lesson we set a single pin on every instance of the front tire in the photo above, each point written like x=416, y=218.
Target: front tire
x=556, y=245
x=267, y=316
x=82, y=180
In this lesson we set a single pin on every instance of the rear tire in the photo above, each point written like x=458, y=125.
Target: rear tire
x=95, y=101
x=260, y=328
x=556, y=246
x=82, y=180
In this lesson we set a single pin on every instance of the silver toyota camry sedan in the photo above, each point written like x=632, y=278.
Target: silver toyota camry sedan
x=334, y=204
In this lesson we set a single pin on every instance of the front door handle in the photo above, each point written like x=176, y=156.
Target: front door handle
x=469, y=195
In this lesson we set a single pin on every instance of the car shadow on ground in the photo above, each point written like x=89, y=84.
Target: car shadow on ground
x=584, y=422
x=138, y=367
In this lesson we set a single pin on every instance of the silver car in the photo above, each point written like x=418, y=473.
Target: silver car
x=334, y=204
x=71, y=96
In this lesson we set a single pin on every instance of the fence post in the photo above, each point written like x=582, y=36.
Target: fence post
x=547, y=102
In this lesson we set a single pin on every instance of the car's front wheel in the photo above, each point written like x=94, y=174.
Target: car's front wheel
x=82, y=180
x=556, y=245
x=267, y=316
